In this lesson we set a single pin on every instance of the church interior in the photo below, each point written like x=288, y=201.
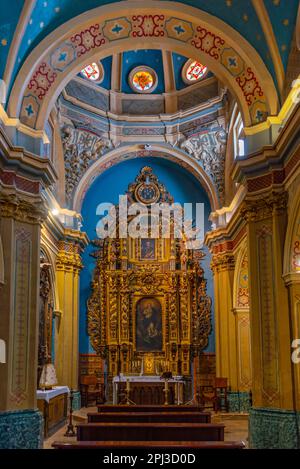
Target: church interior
x=148, y=341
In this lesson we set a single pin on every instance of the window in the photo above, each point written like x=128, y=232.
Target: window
x=239, y=142
x=92, y=72
x=193, y=71
x=143, y=80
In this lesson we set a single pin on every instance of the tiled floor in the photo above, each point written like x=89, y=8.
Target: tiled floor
x=236, y=426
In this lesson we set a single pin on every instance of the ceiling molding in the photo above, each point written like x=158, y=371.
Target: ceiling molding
x=266, y=25
x=17, y=39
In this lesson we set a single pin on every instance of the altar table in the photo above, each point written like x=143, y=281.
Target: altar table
x=148, y=389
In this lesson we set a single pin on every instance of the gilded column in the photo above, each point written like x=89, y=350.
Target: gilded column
x=273, y=421
x=226, y=360
x=68, y=266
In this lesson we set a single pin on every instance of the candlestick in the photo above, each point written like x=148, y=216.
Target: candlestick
x=70, y=429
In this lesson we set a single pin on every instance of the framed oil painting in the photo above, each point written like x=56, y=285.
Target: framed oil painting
x=149, y=325
x=147, y=249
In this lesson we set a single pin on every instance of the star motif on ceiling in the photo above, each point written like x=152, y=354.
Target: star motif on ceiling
x=117, y=28
x=179, y=29
x=29, y=110
x=62, y=57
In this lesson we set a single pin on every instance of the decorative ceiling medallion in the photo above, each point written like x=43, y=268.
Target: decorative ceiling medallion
x=93, y=72
x=193, y=71
x=143, y=79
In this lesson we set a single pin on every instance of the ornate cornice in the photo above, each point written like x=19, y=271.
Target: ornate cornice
x=20, y=209
x=263, y=207
x=69, y=251
x=23, y=164
x=222, y=262
x=274, y=164
x=68, y=261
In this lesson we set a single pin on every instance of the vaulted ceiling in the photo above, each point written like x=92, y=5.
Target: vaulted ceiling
x=267, y=24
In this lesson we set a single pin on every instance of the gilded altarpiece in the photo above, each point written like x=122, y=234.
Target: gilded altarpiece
x=148, y=311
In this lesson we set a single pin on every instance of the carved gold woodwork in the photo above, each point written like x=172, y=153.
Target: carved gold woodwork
x=122, y=278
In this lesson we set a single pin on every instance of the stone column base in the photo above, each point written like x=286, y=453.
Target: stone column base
x=274, y=428
x=76, y=400
x=21, y=429
x=238, y=402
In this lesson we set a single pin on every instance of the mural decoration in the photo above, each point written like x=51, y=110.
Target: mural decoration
x=296, y=250
x=208, y=147
x=97, y=36
x=148, y=325
x=243, y=284
x=81, y=149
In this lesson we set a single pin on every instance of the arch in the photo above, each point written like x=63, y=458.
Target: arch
x=126, y=26
x=46, y=251
x=291, y=263
x=123, y=153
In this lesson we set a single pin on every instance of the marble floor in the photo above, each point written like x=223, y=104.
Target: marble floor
x=236, y=426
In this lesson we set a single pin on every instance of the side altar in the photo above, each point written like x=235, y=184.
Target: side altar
x=148, y=312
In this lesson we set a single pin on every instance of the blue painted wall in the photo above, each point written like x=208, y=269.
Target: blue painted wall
x=106, y=188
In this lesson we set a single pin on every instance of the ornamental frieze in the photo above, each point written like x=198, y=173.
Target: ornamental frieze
x=12, y=206
x=264, y=207
x=98, y=36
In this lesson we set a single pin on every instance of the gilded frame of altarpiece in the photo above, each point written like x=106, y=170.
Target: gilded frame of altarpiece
x=173, y=276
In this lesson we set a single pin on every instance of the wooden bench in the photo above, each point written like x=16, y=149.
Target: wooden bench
x=149, y=408
x=145, y=445
x=184, y=417
x=150, y=431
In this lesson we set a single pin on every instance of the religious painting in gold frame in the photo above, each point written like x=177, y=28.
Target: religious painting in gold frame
x=147, y=249
x=149, y=324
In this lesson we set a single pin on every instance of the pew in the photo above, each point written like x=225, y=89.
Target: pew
x=145, y=445
x=148, y=408
x=168, y=417
x=125, y=431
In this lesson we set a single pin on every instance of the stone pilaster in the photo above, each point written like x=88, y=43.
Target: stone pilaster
x=115, y=93
x=20, y=224
x=170, y=86
x=272, y=388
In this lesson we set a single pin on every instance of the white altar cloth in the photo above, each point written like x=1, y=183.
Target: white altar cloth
x=144, y=379
x=49, y=394
x=147, y=379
